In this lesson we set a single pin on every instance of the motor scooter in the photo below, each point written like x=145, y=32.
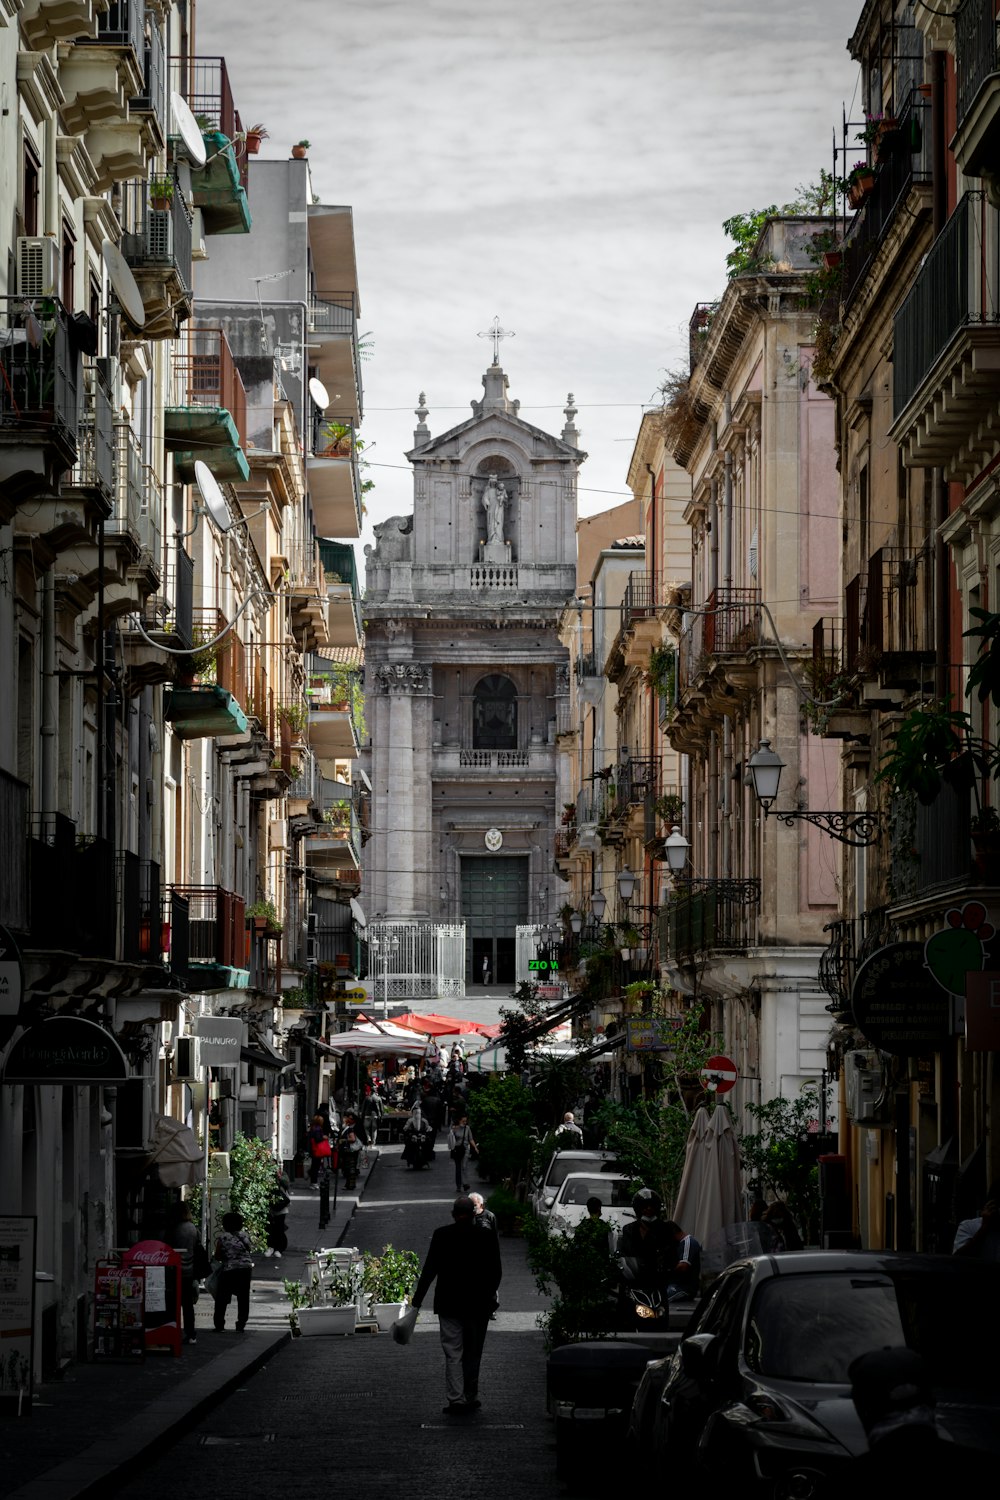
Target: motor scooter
x=643, y=1302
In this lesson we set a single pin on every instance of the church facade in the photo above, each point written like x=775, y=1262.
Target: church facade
x=466, y=680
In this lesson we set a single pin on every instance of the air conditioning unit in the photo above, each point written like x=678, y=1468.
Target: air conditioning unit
x=37, y=266
x=186, y=1066
x=866, y=1088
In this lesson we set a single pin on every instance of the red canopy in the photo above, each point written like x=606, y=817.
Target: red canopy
x=431, y=1024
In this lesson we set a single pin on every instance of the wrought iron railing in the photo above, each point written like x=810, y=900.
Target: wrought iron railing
x=95, y=465
x=335, y=313
x=710, y=914
x=852, y=941
x=13, y=851
x=957, y=286
x=158, y=236
x=205, y=374
x=153, y=98
x=204, y=83
x=215, y=924
x=39, y=366
x=130, y=482
x=641, y=599
x=976, y=51
x=904, y=161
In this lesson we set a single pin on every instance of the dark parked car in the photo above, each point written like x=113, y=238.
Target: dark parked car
x=758, y=1389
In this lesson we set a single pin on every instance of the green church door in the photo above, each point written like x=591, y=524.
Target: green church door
x=494, y=902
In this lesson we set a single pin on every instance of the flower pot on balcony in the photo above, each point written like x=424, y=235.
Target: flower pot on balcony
x=859, y=187
x=300, y=150
x=832, y=259
x=255, y=139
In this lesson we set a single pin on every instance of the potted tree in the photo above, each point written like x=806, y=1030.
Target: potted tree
x=387, y=1281
x=255, y=136
x=301, y=149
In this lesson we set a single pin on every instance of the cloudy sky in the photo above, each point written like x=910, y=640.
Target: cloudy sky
x=566, y=164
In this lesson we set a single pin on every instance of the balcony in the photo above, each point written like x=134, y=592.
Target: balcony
x=639, y=628
x=158, y=250
x=333, y=328
x=897, y=628
x=151, y=100
x=203, y=82
x=344, y=616
x=203, y=712
x=900, y=169
x=454, y=761
x=207, y=414
x=332, y=735
x=710, y=915
x=304, y=794
x=307, y=600
x=852, y=942
x=977, y=68
x=239, y=669
x=208, y=940
x=946, y=348
x=73, y=889
x=14, y=803
x=46, y=22
x=334, y=480
x=100, y=75
x=142, y=914
x=335, y=846
x=93, y=474
x=39, y=419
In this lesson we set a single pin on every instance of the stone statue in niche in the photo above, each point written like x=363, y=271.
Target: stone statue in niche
x=494, y=503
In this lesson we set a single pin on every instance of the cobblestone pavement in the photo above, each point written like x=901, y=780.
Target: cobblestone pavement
x=363, y=1414
x=288, y=1415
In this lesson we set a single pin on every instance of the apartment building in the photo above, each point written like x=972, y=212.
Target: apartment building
x=172, y=830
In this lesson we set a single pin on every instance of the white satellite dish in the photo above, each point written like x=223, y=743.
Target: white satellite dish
x=319, y=393
x=215, y=501
x=124, y=284
x=188, y=129
x=358, y=914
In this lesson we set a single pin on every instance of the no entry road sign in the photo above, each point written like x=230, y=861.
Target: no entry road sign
x=719, y=1073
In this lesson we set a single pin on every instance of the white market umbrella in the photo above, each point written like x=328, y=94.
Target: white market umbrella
x=373, y=1044
x=175, y=1152
x=710, y=1195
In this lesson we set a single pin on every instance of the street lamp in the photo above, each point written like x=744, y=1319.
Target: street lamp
x=598, y=905
x=626, y=884
x=576, y=923
x=765, y=766
x=676, y=847
x=385, y=946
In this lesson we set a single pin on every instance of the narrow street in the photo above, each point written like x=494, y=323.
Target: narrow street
x=363, y=1412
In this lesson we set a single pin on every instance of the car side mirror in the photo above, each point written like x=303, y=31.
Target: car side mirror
x=700, y=1357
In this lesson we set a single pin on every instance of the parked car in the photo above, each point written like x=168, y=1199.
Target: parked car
x=570, y=1205
x=759, y=1382
x=561, y=1164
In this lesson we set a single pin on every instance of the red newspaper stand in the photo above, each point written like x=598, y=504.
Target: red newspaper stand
x=162, y=1266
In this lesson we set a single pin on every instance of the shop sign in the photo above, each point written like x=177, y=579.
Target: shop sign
x=66, y=1049
x=219, y=1040
x=17, y=1312
x=898, y=1004
x=654, y=1034
x=982, y=1013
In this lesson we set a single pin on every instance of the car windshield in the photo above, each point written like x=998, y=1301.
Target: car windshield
x=561, y=1166
x=612, y=1193
x=810, y=1328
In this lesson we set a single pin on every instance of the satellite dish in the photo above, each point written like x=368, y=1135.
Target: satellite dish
x=188, y=129
x=124, y=284
x=215, y=501
x=319, y=393
x=358, y=914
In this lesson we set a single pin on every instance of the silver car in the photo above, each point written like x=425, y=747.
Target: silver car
x=561, y=1164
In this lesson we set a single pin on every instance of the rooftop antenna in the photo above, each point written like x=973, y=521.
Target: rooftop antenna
x=272, y=276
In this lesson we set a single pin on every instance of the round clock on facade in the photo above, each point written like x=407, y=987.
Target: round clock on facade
x=494, y=839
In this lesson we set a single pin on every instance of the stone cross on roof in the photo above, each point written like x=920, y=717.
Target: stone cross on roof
x=496, y=333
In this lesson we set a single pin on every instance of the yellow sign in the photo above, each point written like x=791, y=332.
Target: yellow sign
x=353, y=995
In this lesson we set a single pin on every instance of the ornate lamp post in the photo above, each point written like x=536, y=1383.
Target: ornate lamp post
x=858, y=828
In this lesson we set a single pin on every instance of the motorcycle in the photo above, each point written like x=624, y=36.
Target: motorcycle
x=418, y=1150
x=644, y=1303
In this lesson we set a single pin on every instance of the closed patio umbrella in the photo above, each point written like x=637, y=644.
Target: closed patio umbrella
x=710, y=1192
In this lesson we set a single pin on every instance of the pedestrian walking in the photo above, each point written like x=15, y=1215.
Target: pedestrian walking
x=233, y=1249
x=186, y=1239
x=485, y=1217
x=465, y=1262
x=781, y=1227
x=568, y=1134
x=460, y=1146
x=979, y=1238
x=277, y=1216
x=320, y=1149
x=417, y=1150
x=349, y=1143
x=486, y=971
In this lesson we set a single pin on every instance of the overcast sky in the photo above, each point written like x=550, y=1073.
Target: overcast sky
x=566, y=164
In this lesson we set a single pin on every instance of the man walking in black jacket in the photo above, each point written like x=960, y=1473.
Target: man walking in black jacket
x=466, y=1263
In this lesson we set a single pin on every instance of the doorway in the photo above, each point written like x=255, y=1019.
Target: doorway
x=494, y=902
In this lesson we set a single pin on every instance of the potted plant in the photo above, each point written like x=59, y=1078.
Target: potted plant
x=264, y=916
x=301, y=149
x=669, y=807
x=255, y=136
x=339, y=440
x=161, y=193
x=326, y=1304
x=387, y=1280
x=860, y=181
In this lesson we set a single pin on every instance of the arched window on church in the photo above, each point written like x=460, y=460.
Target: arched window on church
x=494, y=713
